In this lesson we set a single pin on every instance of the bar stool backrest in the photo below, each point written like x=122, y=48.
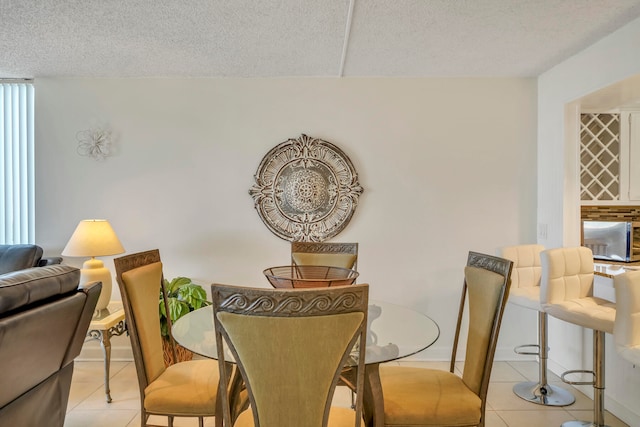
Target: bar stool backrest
x=526, y=264
x=567, y=273
x=626, y=330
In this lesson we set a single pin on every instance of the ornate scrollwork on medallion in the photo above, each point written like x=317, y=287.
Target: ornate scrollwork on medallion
x=306, y=189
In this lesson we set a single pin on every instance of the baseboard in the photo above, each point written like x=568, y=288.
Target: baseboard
x=506, y=354
x=439, y=354
x=621, y=411
x=91, y=352
x=613, y=406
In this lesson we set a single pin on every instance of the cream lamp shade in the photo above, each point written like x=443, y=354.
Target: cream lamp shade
x=94, y=238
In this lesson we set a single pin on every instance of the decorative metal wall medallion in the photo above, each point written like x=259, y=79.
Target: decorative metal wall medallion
x=306, y=189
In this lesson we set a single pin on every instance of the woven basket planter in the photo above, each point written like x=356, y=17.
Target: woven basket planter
x=182, y=354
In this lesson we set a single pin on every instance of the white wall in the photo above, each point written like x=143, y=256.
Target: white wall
x=447, y=166
x=611, y=60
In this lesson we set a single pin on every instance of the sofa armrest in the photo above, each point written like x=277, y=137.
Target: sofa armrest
x=52, y=260
x=19, y=257
x=92, y=291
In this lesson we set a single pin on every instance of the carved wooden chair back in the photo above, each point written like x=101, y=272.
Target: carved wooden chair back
x=488, y=297
x=344, y=255
x=290, y=346
x=146, y=368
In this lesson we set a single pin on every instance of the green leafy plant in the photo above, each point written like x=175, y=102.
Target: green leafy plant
x=183, y=296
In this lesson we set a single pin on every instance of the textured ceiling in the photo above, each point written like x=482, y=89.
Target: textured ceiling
x=288, y=38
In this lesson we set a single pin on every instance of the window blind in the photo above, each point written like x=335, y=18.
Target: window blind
x=17, y=177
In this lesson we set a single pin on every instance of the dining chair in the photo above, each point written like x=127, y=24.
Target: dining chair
x=344, y=255
x=432, y=397
x=290, y=346
x=183, y=389
x=332, y=254
x=626, y=329
x=566, y=293
x=525, y=292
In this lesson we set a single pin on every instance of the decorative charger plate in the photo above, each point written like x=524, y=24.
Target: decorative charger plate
x=306, y=189
x=309, y=276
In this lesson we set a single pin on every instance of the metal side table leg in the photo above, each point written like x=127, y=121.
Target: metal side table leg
x=105, y=343
x=104, y=336
x=106, y=324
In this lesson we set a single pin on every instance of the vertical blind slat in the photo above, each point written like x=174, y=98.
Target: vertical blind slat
x=17, y=160
x=30, y=163
x=3, y=181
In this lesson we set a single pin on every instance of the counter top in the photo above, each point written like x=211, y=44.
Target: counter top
x=611, y=270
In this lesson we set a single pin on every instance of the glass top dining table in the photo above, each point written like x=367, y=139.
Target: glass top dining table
x=393, y=332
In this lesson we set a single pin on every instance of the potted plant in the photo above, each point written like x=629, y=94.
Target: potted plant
x=183, y=296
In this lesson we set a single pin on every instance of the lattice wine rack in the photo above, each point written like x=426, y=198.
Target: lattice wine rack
x=600, y=156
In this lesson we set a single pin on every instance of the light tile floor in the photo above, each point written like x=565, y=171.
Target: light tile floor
x=88, y=407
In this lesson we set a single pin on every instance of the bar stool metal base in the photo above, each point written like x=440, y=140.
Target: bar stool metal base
x=597, y=383
x=547, y=395
x=581, y=424
x=541, y=392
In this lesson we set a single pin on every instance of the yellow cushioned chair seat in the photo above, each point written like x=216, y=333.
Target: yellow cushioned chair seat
x=427, y=397
x=184, y=389
x=338, y=417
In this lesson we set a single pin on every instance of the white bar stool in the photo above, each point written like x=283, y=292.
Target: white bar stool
x=525, y=292
x=626, y=331
x=566, y=292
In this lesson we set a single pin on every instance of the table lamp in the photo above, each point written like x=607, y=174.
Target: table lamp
x=92, y=238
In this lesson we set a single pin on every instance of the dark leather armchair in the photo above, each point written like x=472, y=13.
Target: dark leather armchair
x=44, y=318
x=19, y=257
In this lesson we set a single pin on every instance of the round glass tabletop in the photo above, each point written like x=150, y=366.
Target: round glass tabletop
x=393, y=332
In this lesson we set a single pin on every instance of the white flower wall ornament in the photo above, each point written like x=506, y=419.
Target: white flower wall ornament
x=94, y=143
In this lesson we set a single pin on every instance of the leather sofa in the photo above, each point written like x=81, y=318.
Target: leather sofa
x=44, y=318
x=19, y=257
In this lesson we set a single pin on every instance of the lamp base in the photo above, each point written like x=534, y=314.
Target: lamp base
x=93, y=270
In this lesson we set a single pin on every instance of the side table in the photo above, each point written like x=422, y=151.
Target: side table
x=105, y=324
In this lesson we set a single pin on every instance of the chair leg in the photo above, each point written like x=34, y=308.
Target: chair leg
x=541, y=392
x=598, y=385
